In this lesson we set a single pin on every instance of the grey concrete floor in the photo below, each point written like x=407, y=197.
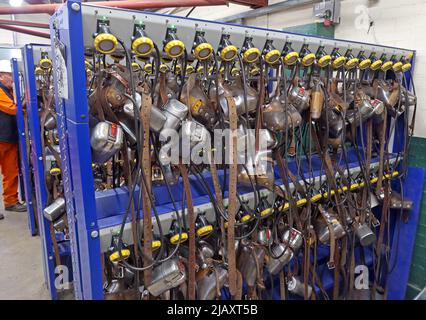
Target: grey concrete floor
x=21, y=268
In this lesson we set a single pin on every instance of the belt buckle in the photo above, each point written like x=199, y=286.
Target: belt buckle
x=120, y=272
x=375, y=222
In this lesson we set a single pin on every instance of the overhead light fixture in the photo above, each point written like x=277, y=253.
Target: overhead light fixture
x=15, y=3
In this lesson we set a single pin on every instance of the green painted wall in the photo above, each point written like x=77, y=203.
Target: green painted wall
x=417, y=280
x=315, y=29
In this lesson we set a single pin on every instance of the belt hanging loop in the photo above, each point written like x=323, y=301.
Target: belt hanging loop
x=191, y=240
x=232, y=196
x=336, y=286
x=146, y=189
x=282, y=285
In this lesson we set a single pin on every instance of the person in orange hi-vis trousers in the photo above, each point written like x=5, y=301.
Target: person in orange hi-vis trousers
x=8, y=143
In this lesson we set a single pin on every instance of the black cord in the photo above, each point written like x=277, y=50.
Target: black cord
x=190, y=11
x=157, y=61
x=144, y=181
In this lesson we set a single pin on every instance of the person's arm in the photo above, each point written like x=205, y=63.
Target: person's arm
x=6, y=104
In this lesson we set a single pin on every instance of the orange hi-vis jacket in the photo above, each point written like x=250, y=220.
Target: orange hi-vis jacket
x=8, y=147
x=8, y=127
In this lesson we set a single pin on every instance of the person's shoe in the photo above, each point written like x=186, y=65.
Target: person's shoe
x=17, y=207
x=1, y=216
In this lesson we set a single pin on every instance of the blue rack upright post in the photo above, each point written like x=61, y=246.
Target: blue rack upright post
x=25, y=165
x=28, y=53
x=73, y=130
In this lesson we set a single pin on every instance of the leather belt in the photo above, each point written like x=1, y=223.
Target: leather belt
x=191, y=219
x=293, y=213
x=146, y=189
x=385, y=207
x=382, y=151
x=332, y=181
x=47, y=103
x=232, y=196
x=282, y=285
x=366, y=193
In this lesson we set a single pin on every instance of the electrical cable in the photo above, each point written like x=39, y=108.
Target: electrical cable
x=144, y=181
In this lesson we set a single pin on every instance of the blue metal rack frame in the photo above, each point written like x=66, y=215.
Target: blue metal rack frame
x=36, y=159
x=25, y=166
x=88, y=211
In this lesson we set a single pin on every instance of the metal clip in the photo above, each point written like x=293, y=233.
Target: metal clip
x=157, y=174
x=375, y=223
x=120, y=272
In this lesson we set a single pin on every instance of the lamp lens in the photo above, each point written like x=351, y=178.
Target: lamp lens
x=175, y=50
x=273, y=58
x=230, y=55
x=106, y=45
x=204, y=53
x=144, y=48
